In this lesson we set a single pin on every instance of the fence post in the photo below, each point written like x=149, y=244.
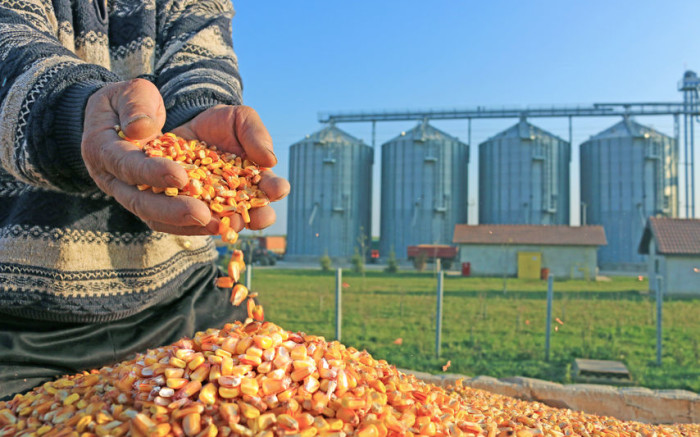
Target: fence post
x=659, y=317
x=438, y=316
x=550, y=297
x=249, y=275
x=338, y=302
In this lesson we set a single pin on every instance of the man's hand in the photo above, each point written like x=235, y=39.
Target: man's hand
x=238, y=129
x=117, y=166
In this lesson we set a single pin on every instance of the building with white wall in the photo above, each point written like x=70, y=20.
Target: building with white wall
x=567, y=252
x=673, y=246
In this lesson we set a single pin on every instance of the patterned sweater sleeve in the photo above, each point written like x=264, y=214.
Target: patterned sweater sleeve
x=43, y=91
x=197, y=67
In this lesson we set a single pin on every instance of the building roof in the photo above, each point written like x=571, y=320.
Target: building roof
x=673, y=236
x=530, y=235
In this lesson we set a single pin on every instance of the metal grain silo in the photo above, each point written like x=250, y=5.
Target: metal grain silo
x=628, y=173
x=330, y=203
x=424, y=189
x=524, y=177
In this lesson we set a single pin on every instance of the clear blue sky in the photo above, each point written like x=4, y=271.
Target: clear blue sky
x=299, y=58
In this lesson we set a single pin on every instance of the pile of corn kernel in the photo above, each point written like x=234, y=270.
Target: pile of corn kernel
x=258, y=380
x=227, y=183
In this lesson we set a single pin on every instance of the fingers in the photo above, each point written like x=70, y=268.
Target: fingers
x=181, y=212
x=109, y=156
x=236, y=129
x=261, y=218
x=140, y=108
x=253, y=136
x=274, y=186
x=237, y=223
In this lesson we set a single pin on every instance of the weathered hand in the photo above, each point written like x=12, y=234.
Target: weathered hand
x=117, y=166
x=239, y=129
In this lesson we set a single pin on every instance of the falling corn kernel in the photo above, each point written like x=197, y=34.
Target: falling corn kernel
x=224, y=282
x=238, y=294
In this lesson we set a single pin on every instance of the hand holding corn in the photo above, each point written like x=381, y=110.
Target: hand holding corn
x=239, y=130
x=118, y=166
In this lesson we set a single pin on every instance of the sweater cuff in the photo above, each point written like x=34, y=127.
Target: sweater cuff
x=181, y=113
x=68, y=126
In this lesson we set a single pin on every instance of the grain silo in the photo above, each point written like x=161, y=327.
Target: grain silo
x=628, y=173
x=524, y=177
x=424, y=189
x=330, y=203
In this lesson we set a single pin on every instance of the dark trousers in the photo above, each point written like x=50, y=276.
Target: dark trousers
x=34, y=351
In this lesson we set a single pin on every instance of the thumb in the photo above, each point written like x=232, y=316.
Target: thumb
x=140, y=108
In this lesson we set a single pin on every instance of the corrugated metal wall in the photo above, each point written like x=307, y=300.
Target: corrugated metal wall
x=330, y=203
x=424, y=189
x=628, y=173
x=524, y=177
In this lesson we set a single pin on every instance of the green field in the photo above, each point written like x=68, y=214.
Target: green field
x=489, y=332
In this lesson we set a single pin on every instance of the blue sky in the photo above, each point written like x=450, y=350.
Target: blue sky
x=299, y=58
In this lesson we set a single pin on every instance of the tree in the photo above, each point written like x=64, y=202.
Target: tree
x=358, y=259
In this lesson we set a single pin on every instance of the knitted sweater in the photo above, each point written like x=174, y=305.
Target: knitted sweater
x=68, y=252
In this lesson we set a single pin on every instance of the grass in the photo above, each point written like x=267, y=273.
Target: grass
x=489, y=332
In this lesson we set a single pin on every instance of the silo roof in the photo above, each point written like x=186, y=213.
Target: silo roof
x=524, y=131
x=627, y=128
x=331, y=134
x=424, y=131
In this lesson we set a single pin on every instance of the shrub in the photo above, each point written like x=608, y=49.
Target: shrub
x=326, y=262
x=358, y=262
x=392, y=265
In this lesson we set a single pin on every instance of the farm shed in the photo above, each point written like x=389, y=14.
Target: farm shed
x=673, y=246
x=526, y=250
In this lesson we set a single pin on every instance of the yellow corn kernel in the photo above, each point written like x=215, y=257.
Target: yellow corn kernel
x=208, y=394
x=248, y=411
x=176, y=362
x=192, y=424
x=264, y=421
x=249, y=386
x=196, y=361
x=71, y=398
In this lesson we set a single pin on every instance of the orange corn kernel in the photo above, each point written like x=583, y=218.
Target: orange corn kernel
x=224, y=282
x=239, y=294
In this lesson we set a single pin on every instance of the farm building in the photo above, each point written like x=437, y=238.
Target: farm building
x=673, y=246
x=527, y=251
